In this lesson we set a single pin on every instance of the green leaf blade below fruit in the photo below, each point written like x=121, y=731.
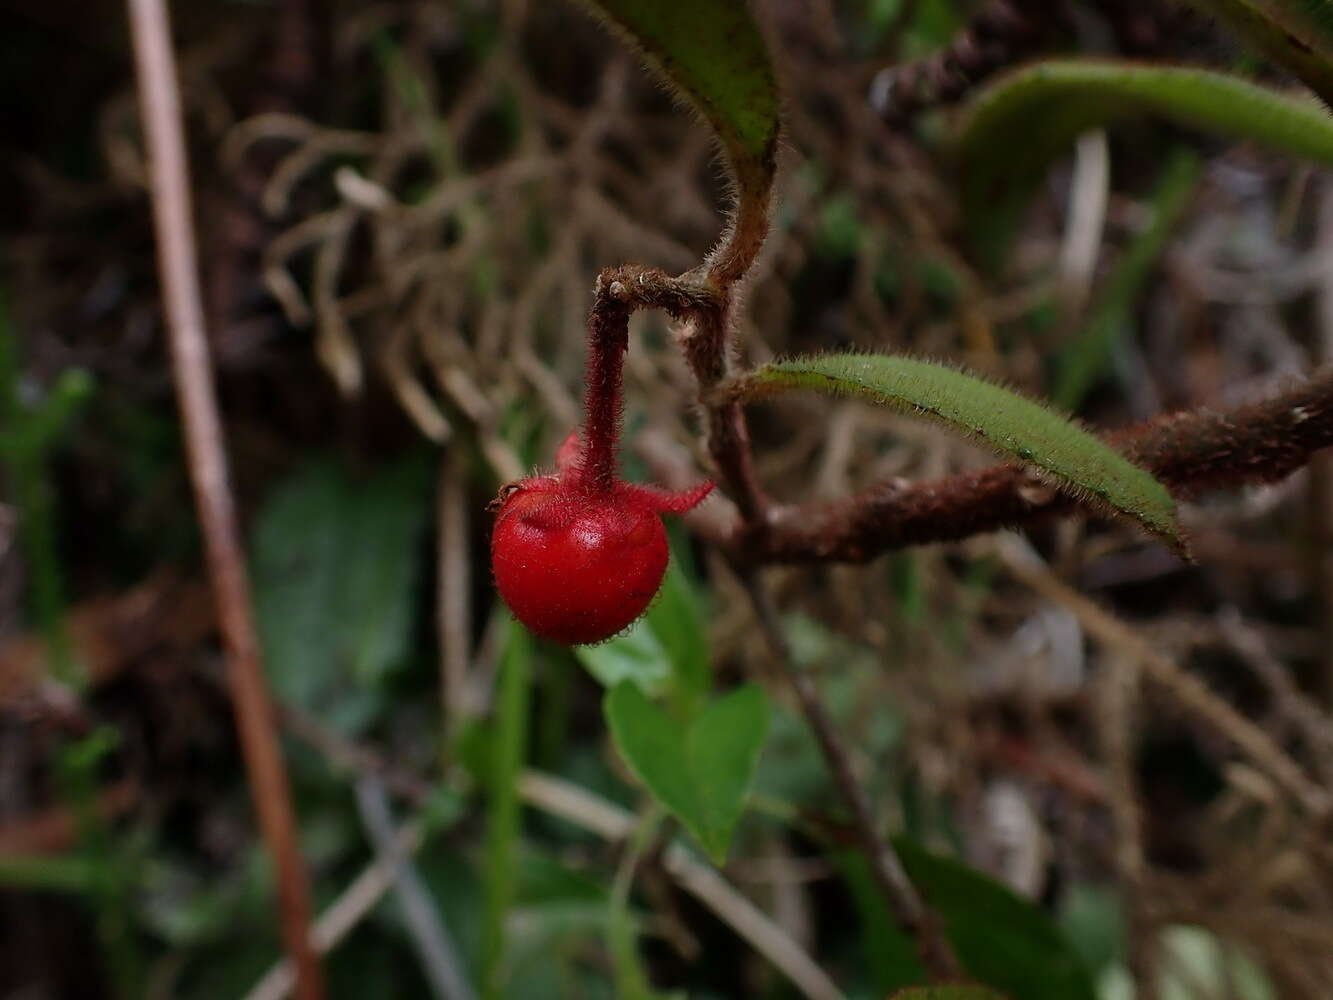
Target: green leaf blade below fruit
x=700, y=771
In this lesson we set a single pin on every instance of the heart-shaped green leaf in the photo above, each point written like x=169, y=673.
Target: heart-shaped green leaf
x=1074, y=459
x=700, y=771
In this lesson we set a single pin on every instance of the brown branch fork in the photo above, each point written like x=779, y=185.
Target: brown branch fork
x=1191, y=452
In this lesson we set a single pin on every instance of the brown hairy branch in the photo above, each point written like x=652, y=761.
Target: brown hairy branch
x=910, y=912
x=1190, y=452
x=1001, y=34
x=159, y=98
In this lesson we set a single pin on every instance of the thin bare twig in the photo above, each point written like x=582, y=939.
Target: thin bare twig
x=356, y=901
x=434, y=944
x=909, y=910
x=453, y=609
x=1189, y=693
x=570, y=802
x=1119, y=694
x=178, y=266
x=1297, y=710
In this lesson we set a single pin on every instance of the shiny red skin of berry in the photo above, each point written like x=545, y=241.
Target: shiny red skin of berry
x=578, y=562
x=574, y=567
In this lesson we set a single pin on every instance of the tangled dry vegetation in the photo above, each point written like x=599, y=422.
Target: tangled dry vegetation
x=442, y=242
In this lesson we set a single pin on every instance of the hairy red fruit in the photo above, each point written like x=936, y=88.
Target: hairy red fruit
x=580, y=554
x=577, y=565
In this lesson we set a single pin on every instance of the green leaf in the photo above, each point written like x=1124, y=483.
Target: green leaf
x=1026, y=118
x=47, y=873
x=702, y=771
x=677, y=620
x=1297, y=34
x=713, y=54
x=548, y=878
x=947, y=993
x=1074, y=459
x=1093, y=919
x=1001, y=939
x=336, y=562
x=635, y=656
x=889, y=954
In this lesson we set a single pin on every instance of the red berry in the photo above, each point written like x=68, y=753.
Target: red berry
x=576, y=563
x=579, y=555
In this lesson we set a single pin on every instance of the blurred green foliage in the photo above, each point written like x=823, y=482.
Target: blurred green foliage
x=337, y=560
x=32, y=424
